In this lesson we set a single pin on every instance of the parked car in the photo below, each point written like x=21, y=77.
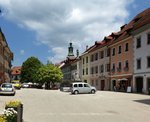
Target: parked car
x=7, y=88
x=81, y=87
x=25, y=85
x=16, y=85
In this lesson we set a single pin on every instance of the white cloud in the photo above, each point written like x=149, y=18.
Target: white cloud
x=57, y=22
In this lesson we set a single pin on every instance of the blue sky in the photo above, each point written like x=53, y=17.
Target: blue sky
x=44, y=29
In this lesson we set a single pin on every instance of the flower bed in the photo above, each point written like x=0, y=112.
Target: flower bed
x=13, y=112
x=17, y=106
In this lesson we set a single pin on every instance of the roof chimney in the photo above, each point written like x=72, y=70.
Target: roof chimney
x=122, y=27
x=86, y=47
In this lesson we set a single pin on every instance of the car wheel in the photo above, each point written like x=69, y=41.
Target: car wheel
x=93, y=91
x=76, y=92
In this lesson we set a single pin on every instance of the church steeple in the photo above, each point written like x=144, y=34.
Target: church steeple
x=70, y=50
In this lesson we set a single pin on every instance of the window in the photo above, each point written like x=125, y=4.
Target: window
x=126, y=64
x=107, y=67
x=83, y=60
x=119, y=50
x=138, y=63
x=80, y=85
x=86, y=59
x=92, y=70
x=96, y=56
x=126, y=47
x=108, y=52
x=113, y=52
x=96, y=69
x=148, y=62
x=119, y=65
x=101, y=68
x=102, y=54
x=138, y=42
x=113, y=67
x=86, y=85
x=86, y=71
x=75, y=85
x=92, y=58
x=83, y=71
x=148, y=38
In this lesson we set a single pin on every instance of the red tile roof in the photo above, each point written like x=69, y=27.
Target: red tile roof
x=138, y=21
x=16, y=70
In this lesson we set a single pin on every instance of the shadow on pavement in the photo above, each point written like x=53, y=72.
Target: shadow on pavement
x=145, y=101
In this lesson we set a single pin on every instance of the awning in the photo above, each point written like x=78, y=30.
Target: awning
x=122, y=79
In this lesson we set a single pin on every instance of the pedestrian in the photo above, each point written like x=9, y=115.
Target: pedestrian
x=115, y=88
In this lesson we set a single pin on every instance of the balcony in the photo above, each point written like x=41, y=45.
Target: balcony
x=113, y=70
x=126, y=69
x=118, y=69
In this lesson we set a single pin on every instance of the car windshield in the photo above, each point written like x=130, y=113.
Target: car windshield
x=6, y=86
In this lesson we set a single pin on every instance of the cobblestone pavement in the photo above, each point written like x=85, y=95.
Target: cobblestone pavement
x=104, y=106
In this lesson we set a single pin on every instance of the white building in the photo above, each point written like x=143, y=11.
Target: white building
x=141, y=76
x=100, y=66
x=85, y=65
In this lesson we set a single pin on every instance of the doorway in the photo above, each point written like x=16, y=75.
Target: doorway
x=102, y=84
x=114, y=85
x=148, y=85
x=139, y=84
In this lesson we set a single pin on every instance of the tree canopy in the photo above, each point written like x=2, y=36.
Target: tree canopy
x=49, y=73
x=34, y=71
x=29, y=69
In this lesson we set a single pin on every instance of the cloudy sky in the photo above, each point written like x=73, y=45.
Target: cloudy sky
x=44, y=28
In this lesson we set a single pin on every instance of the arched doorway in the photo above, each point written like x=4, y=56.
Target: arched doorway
x=113, y=85
x=139, y=84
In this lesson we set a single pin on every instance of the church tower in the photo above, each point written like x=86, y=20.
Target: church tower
x=70, y=52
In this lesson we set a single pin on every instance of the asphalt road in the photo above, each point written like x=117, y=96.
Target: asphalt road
x=55, y=106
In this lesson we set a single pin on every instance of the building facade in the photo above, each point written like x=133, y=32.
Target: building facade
x=100, y=65
x=6, y=56
x=141, y=34
x=71, y=66
x=121, y=60
x=85, y=65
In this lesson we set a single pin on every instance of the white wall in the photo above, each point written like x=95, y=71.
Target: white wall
x=142, y=52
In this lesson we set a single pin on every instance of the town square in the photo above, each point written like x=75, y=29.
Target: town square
x=105, y=106
x=68, y=61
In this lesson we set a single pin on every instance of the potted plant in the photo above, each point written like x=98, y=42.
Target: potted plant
x=2, y=118
x=10, y=115
x=17, y=106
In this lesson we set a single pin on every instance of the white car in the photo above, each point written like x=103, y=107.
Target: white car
x=25, y=85
x=81, y=87
x=7, y=89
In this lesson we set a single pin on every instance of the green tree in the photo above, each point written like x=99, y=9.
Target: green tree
x=49, y=74
x=29, y=69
